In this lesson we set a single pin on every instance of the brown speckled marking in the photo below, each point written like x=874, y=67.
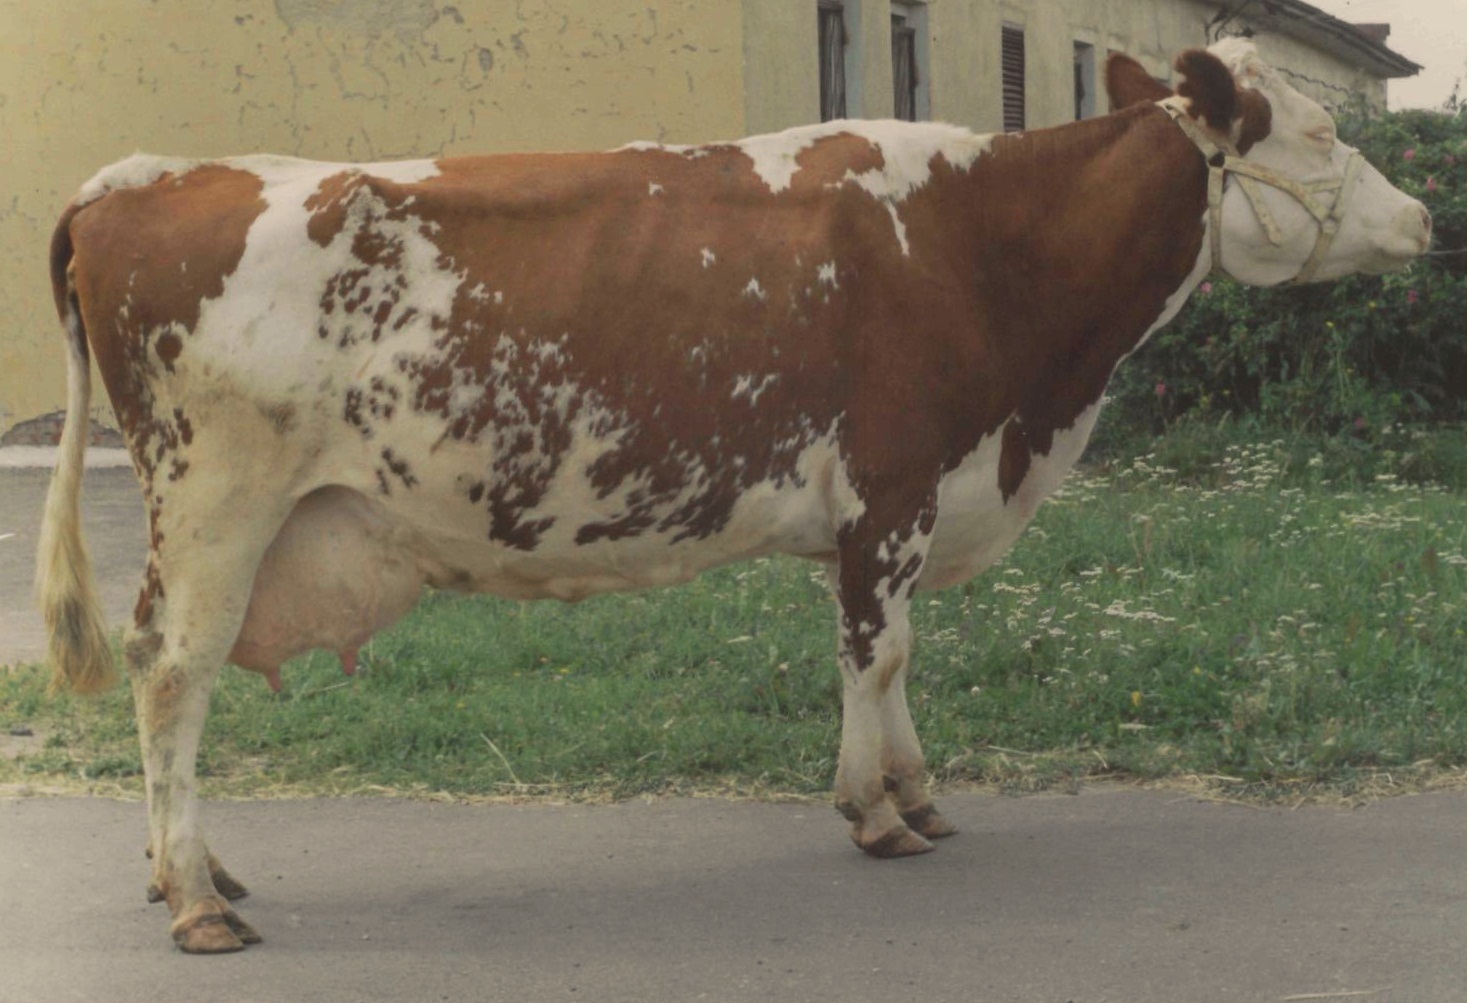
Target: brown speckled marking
x=168, y=348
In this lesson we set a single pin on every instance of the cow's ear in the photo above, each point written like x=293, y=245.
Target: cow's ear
x=1209, y=87
x=1129, y=84
x=1215, y=97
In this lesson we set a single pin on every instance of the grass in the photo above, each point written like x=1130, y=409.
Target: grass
x=1250, y=626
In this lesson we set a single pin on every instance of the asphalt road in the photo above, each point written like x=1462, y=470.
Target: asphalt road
x=1116, y=894
x=1112, y=895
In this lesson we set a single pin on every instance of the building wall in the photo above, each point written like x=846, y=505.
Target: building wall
x=782, y=83
x=87, y=82
x=963, y=72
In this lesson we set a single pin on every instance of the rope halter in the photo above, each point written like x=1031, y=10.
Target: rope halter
x=1222, y=157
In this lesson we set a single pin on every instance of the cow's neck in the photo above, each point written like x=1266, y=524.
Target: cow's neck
x=1083, y=240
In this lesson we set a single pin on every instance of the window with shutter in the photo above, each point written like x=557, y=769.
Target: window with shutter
x=905, y=69
x=1012, y=76
x=832, y=39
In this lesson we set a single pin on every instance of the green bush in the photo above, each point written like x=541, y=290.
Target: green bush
x=1354, y=359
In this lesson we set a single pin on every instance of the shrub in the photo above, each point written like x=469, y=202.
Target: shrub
x=1348, y=359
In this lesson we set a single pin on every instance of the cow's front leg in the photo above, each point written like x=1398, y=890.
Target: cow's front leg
x=880, y=769
x=903, y=767
x=224, y=882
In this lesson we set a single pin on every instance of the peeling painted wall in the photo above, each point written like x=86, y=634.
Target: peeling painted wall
x=87, y=82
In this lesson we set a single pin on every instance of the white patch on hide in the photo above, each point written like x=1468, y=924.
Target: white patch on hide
x=751, y=386
x=907, y=149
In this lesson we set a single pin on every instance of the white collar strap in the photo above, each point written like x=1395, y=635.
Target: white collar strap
x=1222, y=157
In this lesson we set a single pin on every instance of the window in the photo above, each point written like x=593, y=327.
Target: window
x=1012, y=76
x=1084, y=70
x=905, y=69
x=832, y=38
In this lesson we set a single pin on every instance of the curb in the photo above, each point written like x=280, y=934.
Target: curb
x=44, y=458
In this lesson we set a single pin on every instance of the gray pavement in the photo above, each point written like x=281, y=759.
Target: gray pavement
x=1116, y=894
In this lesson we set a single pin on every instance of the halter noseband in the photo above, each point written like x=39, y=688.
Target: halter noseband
x=1222, y=157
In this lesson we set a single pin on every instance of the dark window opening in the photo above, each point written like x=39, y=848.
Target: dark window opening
x=1084, y=72
x=832, y=38
x=905, y=70
x=1012, y=76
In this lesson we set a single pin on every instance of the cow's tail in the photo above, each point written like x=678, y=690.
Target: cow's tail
x=78, y=646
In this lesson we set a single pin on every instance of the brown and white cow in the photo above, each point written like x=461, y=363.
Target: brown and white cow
x=876, y=345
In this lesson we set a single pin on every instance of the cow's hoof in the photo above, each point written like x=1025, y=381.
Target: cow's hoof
x=928, y=822
x=211, y=928
x=899, y=841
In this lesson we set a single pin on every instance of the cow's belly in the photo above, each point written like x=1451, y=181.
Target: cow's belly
x=976, y=525
x=457, y=554
x=351, y=560
x=535, y=526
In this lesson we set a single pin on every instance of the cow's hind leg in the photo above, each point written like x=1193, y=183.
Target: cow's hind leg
x=880, y=769
x=193, y=604
x=171, y=687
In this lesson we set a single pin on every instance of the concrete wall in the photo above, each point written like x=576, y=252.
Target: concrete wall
x=86, y=82
x=782, y=83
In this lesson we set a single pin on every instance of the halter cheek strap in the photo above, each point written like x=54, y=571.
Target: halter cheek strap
x=1222, y=157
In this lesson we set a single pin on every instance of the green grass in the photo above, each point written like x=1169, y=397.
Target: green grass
x=1248, y=624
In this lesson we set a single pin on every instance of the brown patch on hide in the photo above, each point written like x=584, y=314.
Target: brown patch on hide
x=168, y=348
x=829, y=160
x=145, y=260
x=1014, y=459
x=328, y=206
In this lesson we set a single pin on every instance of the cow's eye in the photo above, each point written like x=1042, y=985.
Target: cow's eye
x=1322, y=135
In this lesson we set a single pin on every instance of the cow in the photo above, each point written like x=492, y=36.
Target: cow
x=875, y=345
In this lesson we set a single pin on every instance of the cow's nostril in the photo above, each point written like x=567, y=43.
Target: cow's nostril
x=1427, y=219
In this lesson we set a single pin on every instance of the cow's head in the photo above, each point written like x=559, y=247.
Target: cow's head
x=1297, y=203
